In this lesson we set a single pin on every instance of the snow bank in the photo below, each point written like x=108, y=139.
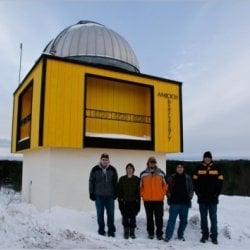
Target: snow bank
x=22, y=226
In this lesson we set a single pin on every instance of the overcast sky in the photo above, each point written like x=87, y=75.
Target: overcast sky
x=203, y=44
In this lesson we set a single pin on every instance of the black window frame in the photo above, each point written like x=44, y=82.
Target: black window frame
x=22, y=144
x=100, y=142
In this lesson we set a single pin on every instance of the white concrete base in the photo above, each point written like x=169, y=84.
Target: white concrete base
x=59, y=177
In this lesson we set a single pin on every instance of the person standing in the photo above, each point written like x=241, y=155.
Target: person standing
x=103, y=182
x=153, y=188
x=129, y=200
x=208, y=181
x=180, y=194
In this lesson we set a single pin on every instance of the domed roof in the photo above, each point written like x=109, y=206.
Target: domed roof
x=92, y=42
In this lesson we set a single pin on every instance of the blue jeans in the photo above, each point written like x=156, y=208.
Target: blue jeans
x=174, y=211
x=102, y=203
x=212, y=210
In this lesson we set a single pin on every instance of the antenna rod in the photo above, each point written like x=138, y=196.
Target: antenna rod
x=20, y=63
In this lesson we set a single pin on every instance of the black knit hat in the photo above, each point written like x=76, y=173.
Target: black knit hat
x=207, y=154
x=180, y=163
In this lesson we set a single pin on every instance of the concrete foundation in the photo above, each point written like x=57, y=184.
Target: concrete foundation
x=59, y=177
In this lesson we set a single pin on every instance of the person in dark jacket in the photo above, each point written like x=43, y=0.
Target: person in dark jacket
x=129, y=200
x=208, y=181
x=103, y=182
x=180, y=194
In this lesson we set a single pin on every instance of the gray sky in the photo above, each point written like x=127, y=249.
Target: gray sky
x=204, y=44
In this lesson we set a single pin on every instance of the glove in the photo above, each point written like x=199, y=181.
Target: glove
x=121, y=204
x=92, y=196
x=137, y=206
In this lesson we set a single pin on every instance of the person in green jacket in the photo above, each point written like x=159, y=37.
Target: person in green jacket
x=129, y=200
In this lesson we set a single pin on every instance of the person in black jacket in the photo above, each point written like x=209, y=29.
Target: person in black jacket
x=208, y=181
x=129, y=200
x=103, y=182
x=180, y=194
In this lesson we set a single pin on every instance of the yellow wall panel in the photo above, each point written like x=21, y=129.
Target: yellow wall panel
x=36, y=99
x=63, y=118
x=126, y=98
x=34, y=77
x=14, y=125
x=112, y=107
x=167, y=125
x=75, y=74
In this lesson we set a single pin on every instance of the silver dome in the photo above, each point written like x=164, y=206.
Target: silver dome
x=92, y=42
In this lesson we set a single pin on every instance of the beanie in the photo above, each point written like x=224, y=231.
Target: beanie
x=180, y=163
x=207, y=154
x=151, y=159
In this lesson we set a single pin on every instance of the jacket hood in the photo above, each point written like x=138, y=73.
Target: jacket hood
x=100, y=165
x=157, y=170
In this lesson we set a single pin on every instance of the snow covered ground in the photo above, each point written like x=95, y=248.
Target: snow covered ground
x=23, y=226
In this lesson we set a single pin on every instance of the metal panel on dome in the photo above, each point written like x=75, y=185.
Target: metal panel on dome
x=94, y=43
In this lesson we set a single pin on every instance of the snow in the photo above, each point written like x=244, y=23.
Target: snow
x=23, y=226
x=119, y=136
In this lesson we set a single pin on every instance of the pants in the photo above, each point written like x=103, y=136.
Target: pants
x=108, y=203
x=154, y=209
x=212, y=210
x=129, y=213
x=174, y=211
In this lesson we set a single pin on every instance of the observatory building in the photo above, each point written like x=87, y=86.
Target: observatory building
x=85, y=95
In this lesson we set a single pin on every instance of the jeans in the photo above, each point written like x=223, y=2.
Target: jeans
x=212, y=210
x=108, y=203
x=154, y=209
x=174, y=211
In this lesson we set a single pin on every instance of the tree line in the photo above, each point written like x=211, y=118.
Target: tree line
x=236, y=174
x=11, y=174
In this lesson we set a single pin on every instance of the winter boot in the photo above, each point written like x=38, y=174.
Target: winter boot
x=132, y=233
x=204, y=238
x=126, y=232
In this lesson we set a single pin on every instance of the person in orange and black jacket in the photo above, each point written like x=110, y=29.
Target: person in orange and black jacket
x=208, y=181
x=153, y=188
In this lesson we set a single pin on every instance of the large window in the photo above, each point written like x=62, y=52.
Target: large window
x=118, y=114
x=24, y=117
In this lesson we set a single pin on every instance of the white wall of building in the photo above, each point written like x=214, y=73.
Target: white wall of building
x=59, y=177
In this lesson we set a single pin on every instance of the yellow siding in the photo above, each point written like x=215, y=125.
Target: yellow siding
x=120, y=101
x=63, y=121
x=37, y=81
x=35, y=76
x=63, y=117
x=26, y=103
x=167, y=118
x=14, y=125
